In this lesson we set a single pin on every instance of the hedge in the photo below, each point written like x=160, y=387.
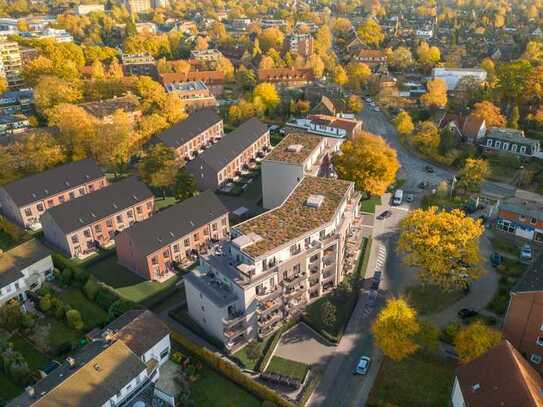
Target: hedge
x=231, y=371
x=261, y=366
x=308, y=389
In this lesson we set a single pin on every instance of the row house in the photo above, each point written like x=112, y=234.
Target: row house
x=81, y=226
x=524, y=318
x=173, y=236
x=24, y=268
x=231, y=155
x=19, y=101
x=274, y=264
x=214, y=80
x=510, y=141
x=328, y=126
x=24, y=201
x=286, y=77
x=192, y=95
x=371, y=57
x=119, y=365
x=297, y=155
x=103, y=110
x=470, y=129
x=190, y=137
x=522, y=216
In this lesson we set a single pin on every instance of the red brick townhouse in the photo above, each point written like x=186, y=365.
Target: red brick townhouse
x=226, y=158
x=286, y=77
x=151, y=248
x=188, y=137
x=523, y=323
x=25, y=200
x=80, y=226
x=214, y=80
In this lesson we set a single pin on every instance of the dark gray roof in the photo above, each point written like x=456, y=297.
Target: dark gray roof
x=140, y=330
x=219, y=155
x=509, y=135
x=184, y=131
x=17, y=259
x=532, y=280
x=175, y=222
x=212, y=289
x=90, y=208
x=53, y=181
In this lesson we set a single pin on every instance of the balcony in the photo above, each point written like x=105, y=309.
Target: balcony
x=289, y=281
x=314, y=259
x=327, y=277
x=233, y=318
x=314, y=270
x=313, y=281
x=269, y=306
x=268, y=330
x=270, y=319
x=265, y=295
x=235, y=343
x=235, y=331
x=293, y=292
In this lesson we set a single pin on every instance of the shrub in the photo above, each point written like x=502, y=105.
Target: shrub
x=11, y=317
x=45, y=303
x=80, y=277
x=90, y=289
x=67, y=275
x=57, y=274
x=105, y=297
x=119, y=307
x=177, y=357
x=28, y=321
x=74, y=319
x=58, y=307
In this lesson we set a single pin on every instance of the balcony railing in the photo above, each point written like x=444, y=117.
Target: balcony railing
x=270, y=306
x=269, y=295
x=235, y=331
x=294, y=292
x=327, y=276
x=269, y=320
x=289, y=281
x=233, y=318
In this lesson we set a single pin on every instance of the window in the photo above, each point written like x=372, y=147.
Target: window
x=514, y=148
x=109, y=223
x=119, y=219
x=535, y=358
x=498, y=144
x=91, y=187
x=166, y=253
x=196, y=236
x=533, y=221
x=505, y=146
x=214, y=227
x=203, y=309
x=81, y=191
x=86, y=233
x=176, y=248
x=40, y=207
x=61, y=199
x=149, y=205
x=223, y=221
x=523, y=149
x=130, y=214
x=49, y=202
x=505, y=226
x=139, y=210
x=72, y=195
x=206, y=232
x=164, y=353
x=28, y=212
x=98, y=228
x=154, y=261
x=75, y=239
x=539, y=341
x=16, y=285
x=186, y=242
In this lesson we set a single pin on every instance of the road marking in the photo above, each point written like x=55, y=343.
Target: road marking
x=401, y=208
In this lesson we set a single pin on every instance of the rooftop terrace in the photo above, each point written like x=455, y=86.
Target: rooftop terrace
x=295, y=217
x=295, y=148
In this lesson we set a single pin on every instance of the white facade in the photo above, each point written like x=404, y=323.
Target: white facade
x=457, y=399
x=33, y=277
x=84, y=9
x=127, y=389
x=452, y=76
x=320, y=129
x=160, y=351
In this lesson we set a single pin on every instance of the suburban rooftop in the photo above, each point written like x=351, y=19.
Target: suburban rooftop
x=295, y=217
x=19, y=258
x=104, y=108
x=295, y=148
x=511, y=135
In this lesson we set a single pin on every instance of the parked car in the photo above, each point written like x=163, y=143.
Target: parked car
x=376, y=280
x=384, y=215
x=424, y=184
x=496, y=259
x=467, y=313
x=410, y=197
x=429, y=169
x=526, y=252
x=363, y=366
x=397, y=198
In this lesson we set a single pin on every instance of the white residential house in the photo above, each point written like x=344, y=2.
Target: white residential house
x=452, y=76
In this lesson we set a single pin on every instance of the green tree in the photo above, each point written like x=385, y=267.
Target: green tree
x=511, y=79
x=515, y=117
x=328, y=313
x=74, y=319
x=158, y=167
x=184, y=186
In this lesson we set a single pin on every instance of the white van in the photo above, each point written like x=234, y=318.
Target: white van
x=397, y=198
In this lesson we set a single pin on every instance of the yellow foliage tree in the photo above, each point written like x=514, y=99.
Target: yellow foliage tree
x=404, y=124
x=426, y=138
x=428, y=56
x=474, y=340
x=473, y=173
x=443, y=245
x=436, y=94
x=370, y=33
x=395, y=329
x=490, y=113
x=266, y=94
x=340, y=76
x=51, y=91
x=369, y=162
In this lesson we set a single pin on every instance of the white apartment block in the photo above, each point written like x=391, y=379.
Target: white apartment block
x=296, y=156
x=452, y=76
x=274, y=264
x=11, y=64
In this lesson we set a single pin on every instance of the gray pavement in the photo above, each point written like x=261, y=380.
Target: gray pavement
x=304, y=345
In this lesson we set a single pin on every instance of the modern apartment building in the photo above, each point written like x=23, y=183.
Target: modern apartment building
x=206, y=55
x=120, y=366
x=24, y=201
x=172, y=236
x=230, y=155
x=214, y=80
x=12, y=64
x=139, y=64
x=81, y=226
x=24, y=268
x=328, y=126
x=193, y=95
x=193, y=135
x=296, y=156
x=299, y=44
x=521, y=215
x=275, y=263
x=371, y=56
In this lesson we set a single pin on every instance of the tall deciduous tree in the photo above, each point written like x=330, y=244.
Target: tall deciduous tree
x=271, y=38
x=396, y=328
x=370, y=33
x=426, y=138
x=369, y=162
x=436, y=94
x=401, y=58
x=443, y=245
x=158, y=168
x=428, y=56
x=51, y=91
x=404, y=123
x=473, y=173
x=266, y=94
x=184, y=186
x=490, y=113
x=474, y=340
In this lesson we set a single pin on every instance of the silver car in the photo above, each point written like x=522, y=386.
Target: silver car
x=363, y=366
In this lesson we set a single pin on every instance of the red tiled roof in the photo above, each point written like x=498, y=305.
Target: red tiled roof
x=472, y=125
x=285, y=75
x=208, y=77
x=333, y=121
x=371, y=53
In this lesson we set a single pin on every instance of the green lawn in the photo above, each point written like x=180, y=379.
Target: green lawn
x=368, y=205
x=418, y=381
x=502, y=167
x=6, y=242
x=287, y=367
x=127, y=284
x=212, y=389
x=176, y=297
x=59, y=334
x=161, y=203
x=430, y=299
x=32, y=356
x=261, y=347
x=93, y=316
x=8, y=389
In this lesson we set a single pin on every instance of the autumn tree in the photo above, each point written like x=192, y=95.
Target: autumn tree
x=395, y=329
x=436, y=94
x=340, y=76
x=369, y=162
x=428, y=56
x=271, y=38
x=533, y=52
x=266, y=95
x=40, y=151
x=473, y=174
x=490, y=113
x=316, y=64
x=241, y=112
x=512, y=79
x=426, y=138
x=358, y=74
x=3, y=85
x=354, y=104
x=474, y=340
x=370, y=33
x=51, y=91
x=400, y=59
x=404, y=124
x=158, y=168
x=443, y=245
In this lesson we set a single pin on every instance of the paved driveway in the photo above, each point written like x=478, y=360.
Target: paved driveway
x=303, y=345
